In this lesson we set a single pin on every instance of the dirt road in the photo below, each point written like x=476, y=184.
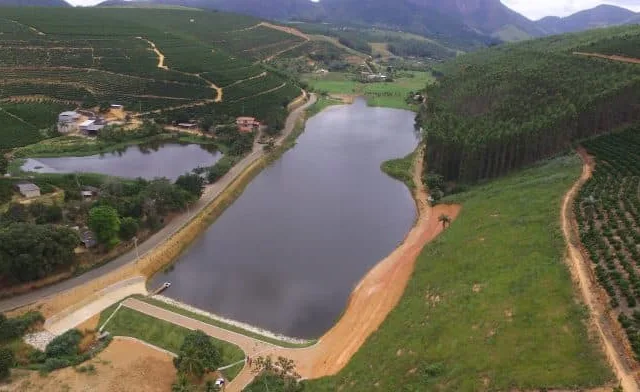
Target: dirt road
x=585, y=279
x=609, y=57
x=161, y=237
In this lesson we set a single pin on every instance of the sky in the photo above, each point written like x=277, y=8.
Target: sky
x=533, y=9
x=536, y=9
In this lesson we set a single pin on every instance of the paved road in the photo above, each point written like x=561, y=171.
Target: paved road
x=210, y=194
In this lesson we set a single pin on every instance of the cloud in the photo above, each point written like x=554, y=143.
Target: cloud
x=541, y=8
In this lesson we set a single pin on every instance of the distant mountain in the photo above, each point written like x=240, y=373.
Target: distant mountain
x=600, y=16
x=34, y=3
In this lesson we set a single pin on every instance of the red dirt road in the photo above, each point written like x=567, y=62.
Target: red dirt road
x=609, y=57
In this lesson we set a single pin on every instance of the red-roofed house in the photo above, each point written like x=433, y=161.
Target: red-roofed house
x=247, y=124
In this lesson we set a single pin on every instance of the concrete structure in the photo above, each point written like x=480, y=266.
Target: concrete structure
x=92, y=127
x=247, y=124
x=85, y=125
x=68, y=117
x=28, y=189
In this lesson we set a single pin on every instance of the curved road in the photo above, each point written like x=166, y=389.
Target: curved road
x=210, y=194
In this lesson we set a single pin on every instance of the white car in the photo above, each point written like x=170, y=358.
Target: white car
x=219, y=382
x=166, y=285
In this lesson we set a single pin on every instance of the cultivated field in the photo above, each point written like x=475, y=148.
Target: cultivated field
x=158, y=62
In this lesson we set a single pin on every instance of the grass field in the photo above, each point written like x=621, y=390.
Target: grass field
x=400, y=169
x=216, y=323
x=392, y=94
x=491, y=305
x=128, y=322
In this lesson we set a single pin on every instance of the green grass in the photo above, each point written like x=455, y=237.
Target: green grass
x=220, y=324
x=321, y=104
x=521, y=328
x=128, y=322
x=392, y=94
x=400, y=169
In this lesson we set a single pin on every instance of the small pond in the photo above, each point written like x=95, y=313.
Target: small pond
x=146, y=161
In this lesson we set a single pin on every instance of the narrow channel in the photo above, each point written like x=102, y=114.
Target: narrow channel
x=287, y=254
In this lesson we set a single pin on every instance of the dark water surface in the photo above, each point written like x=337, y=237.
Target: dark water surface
x=287, y=254
x=146, y=161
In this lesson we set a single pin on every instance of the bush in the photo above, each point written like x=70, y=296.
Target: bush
x=65, y=345
x=16, y=327
x=37, y=356
x=128, y=228
x=6, y=361
x=52, y=364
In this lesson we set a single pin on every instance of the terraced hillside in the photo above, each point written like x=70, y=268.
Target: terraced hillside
x=507, y=107
x=153, y=61
x=608, y=214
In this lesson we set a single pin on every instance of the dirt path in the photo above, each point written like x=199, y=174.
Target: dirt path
x=284, y=29
x=609, y=57
x=157, y=52
x=161, y=65
x=261, y=93
x=585, y=279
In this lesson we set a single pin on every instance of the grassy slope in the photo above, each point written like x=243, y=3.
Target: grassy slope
x=378, y=94
x=400, y=169
x=490, y=301
x=128, y=322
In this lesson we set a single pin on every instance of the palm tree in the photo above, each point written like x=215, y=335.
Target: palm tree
x=445, y=219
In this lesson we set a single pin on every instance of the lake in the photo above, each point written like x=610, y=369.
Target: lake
x=287, y=254
x=146, y=161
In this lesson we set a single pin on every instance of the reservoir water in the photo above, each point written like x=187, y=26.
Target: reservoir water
x=146, y=161
x=287, y=254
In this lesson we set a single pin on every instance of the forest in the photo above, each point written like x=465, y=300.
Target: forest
x=510, y=106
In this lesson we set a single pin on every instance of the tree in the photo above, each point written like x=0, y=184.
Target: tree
x=181, y=384
x=445, y=219
x=29, y=252
x=65, y=345
x=278, y=376
x=128, y=228
x=6, y=361
x=192, y=183
x=197, y=355
x=105, y=223
x=4, y=164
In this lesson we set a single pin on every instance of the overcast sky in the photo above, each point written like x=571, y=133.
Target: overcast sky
x=536, y=9
x=533, y=9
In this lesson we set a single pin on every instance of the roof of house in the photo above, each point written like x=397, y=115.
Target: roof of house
x=245, y=119
x=27, y=187
x=86, y=123
x=69, y=114
x=187, y=125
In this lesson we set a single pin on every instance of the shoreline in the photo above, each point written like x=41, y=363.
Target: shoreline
x=167, y=244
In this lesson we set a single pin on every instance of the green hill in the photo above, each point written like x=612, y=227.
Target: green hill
x=503, y=108
x=93, y=56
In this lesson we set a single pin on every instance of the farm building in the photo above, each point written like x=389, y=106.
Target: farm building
x=92, y=127
x=247, y=124
x=68, y=117
x=28, y=189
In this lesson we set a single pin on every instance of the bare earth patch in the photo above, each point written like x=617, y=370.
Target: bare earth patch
x=121, y=367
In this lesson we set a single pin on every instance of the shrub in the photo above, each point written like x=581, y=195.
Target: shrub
x=16, y=327
x=65, y=345
x=6, y=361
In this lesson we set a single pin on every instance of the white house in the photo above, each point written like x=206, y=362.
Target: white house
x=28, y=189
x=68, y=117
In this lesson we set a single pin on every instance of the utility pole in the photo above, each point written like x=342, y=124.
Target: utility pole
x=135, y=243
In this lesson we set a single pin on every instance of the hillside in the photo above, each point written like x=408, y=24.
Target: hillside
x=507, y=107
x=34, y=3
x=167, y=64
x=600, y=16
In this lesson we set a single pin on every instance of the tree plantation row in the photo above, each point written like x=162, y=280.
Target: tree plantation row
x=507, y=107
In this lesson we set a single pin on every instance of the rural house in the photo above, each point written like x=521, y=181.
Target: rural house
x=68, y=117
x=28, y=189
x=247, y=124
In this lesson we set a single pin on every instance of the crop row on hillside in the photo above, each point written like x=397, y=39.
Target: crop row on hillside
x=507, y=107
x=608, y=214
x=252, y=87
x=23, y=124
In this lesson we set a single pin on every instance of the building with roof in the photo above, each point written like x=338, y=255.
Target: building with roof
x=28, y=189
x=68, y=117
x=247, y=124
